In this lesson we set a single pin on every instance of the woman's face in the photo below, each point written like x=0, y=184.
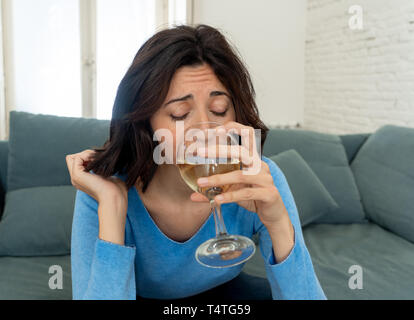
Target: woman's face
x=195, y=95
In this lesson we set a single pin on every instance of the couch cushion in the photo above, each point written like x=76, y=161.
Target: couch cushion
x=37, y=221
x=387, y=261
x=384, y=172
x=325, y=155
x=23, y=278
x=311, y=197
x=39, y=144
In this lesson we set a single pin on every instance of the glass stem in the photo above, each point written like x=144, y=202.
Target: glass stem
x=218, y=219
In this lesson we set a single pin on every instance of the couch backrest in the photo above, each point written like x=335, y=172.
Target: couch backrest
x=326, y=156
x=4, y=152
x=384, y=172
x=39, y=144
x=352, y=143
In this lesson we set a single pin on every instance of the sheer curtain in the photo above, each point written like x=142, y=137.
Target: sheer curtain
x=121, y=30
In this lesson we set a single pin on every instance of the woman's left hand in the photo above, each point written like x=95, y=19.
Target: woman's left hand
x=255, y=192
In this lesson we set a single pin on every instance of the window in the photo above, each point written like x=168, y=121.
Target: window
x=179, y=12
x=121, y=30
x=67, y=57
x=44, y=57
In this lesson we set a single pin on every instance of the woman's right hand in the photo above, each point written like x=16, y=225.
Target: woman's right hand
x=110, y=193
x=96, y=186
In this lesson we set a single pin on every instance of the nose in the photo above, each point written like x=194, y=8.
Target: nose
x=203, y=116
x=205, y=119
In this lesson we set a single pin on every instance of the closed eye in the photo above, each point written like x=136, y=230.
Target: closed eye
x=220, y=114
x=174, y=118
x=180, y=118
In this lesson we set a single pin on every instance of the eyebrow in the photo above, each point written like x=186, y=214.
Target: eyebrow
x=190, y=96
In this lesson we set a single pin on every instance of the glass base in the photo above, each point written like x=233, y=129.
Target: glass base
x=225, y=251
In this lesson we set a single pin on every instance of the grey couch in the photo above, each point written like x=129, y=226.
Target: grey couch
x=370, y=177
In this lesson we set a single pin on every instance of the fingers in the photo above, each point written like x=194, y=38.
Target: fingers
x=82, y=159
x=85, y=156
x=76, y=163
x=229, y=152
x=248, y=135
x=263, y=178
x=246, y=194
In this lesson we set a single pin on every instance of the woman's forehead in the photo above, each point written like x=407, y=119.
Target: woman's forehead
x=195, y=75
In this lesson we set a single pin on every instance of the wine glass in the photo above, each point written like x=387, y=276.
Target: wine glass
x=224, y=250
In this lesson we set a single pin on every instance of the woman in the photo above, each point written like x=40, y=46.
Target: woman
x=136, y=224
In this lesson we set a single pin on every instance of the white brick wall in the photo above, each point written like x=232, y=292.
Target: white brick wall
x=359, y=80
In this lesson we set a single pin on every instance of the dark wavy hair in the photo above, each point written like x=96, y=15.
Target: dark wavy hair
x=144, y=88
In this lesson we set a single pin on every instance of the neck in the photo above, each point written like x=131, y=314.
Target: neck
x=167, y=180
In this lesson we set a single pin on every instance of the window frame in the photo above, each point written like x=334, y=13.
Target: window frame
x=87, y=19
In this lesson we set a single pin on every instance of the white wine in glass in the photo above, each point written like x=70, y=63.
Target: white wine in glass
x=224, y=250
x=190, y=172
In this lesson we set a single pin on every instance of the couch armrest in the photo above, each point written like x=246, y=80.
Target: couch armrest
x=4, y=153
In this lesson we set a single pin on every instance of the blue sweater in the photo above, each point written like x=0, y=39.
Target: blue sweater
x=152, y=265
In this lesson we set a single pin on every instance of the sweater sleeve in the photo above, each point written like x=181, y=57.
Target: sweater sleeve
x=293, y=278
x=101, y=270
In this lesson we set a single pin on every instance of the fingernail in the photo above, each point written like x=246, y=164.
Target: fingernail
x=219, y=197
x=221, y=130
x=202, y=181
